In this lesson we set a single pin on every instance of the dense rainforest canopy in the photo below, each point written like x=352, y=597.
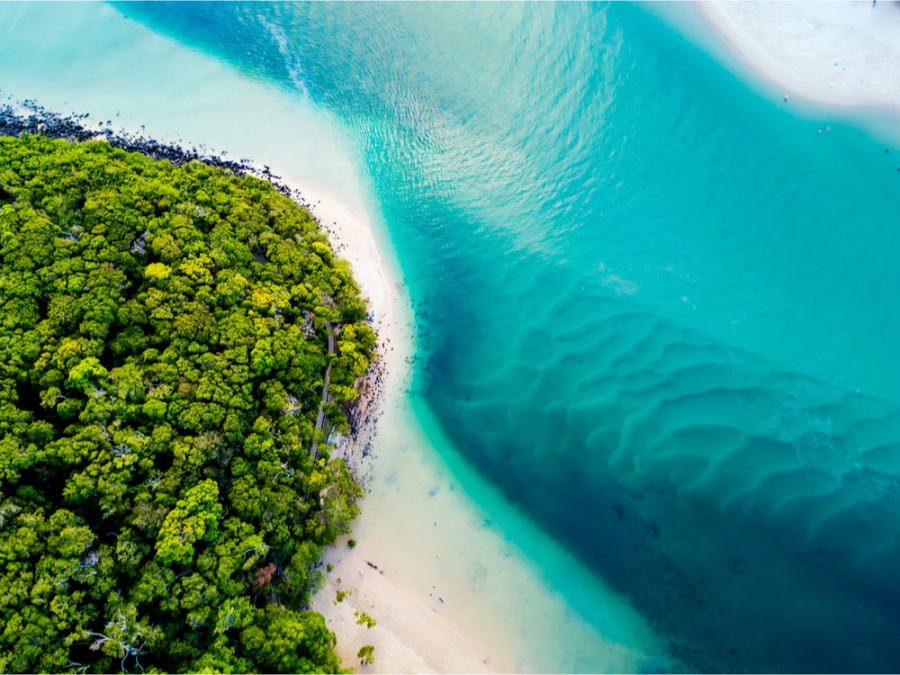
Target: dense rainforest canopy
x=164, y=344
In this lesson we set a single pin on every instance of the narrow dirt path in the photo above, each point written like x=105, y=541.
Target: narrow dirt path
x=320, y=418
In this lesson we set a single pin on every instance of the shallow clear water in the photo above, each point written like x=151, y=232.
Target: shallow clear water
x=656, y=308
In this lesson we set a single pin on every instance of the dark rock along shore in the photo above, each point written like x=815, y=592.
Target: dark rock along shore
x=30, y=118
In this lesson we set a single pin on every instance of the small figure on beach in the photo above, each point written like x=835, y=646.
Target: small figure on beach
x=786, y=97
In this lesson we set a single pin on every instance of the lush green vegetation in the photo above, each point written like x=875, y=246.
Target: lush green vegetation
x=163, y=350
x=366, y=655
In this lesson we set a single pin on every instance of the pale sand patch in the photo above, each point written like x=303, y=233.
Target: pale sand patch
x=410, y=636
x=838, y=53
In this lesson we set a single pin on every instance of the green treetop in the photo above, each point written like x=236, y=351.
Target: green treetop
x=164, y=343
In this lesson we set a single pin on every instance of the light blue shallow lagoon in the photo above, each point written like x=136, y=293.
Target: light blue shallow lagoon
x=657, y=309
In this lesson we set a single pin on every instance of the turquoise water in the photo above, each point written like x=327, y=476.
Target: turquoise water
x=656, y=308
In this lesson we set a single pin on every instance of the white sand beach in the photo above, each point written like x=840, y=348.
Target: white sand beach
x=837, y=53
x=410, y=636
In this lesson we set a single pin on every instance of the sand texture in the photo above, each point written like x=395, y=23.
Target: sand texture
x=839, y=53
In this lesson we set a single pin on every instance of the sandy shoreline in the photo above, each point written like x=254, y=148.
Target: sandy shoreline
x=410, y=636
x=353, y=239
x=836, y=53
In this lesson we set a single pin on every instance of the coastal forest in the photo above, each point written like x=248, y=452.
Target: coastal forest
x=177, y=344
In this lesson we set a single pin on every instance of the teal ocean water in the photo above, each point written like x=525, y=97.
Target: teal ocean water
x=656, y=308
